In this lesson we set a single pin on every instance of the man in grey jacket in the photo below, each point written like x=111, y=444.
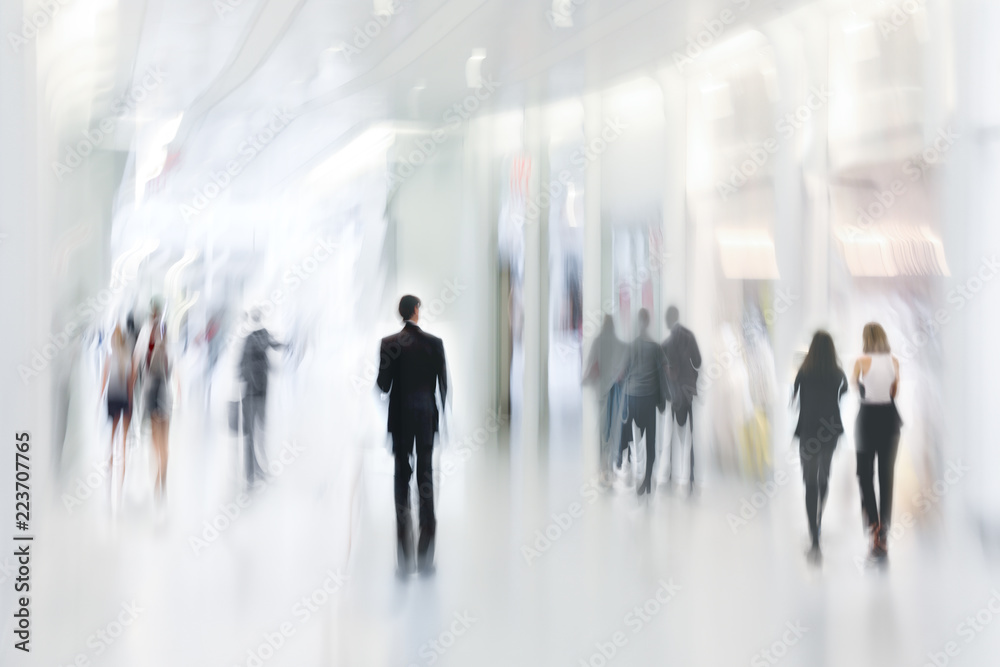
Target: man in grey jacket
x=646, y=391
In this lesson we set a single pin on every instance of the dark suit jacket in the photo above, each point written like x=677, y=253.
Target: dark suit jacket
x=683, y=362
x=819, y=406
x=254, y=365
x=410, y=363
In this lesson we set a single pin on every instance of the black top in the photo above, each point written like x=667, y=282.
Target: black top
x=683, y=363
x=411, y=362
x=254, y=364
x=819, y=405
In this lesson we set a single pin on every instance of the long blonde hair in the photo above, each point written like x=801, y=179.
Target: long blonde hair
x=874, y=339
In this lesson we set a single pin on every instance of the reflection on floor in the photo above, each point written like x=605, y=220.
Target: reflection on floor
x=533, y=568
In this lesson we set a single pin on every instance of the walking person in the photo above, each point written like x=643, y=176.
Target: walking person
x=605, y=369
x=819, y=385
x=876, y=376
x=411, y=365
x=645, y=392
x=118, y=376
x=212, y=339
x=157, y=395
x=254, y=369
x=683, y=363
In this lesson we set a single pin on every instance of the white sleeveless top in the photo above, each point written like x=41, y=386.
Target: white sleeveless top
x=878, y=380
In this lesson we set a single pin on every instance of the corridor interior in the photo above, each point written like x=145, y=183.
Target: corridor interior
x=537, y=172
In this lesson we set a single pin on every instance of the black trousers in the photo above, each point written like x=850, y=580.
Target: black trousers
x=878, y=513
x=681, y=413
x=403, y=447
x=815, y=457
x=642, y=411
x=253, y=419
x=877, y=437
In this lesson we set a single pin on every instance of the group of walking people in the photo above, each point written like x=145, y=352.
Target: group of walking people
x=637, y=380
x=135, y=380
x=819, y=386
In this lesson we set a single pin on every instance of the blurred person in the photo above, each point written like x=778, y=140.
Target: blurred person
x=683, y=360
x=212, y=341
x=763, y=388
x=117, y=383
x=819, y=385
x=157, y=394
x=131, y=340
x=876, y=376
x=732, y=405
x=411, y=363
x=646, y=390
x=140, y=354
x=605, y=368
x=131, y=332
x=254, y=369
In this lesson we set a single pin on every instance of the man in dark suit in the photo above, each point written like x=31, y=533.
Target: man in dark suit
x=411, y=363
x=683, y=363
x=254, y=369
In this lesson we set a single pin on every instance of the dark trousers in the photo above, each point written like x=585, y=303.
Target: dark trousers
x=642, y=411
x=253, y=419
x=815, y=460
x=402, y=447
x=877, y=436
x=880, y=513
x=682, y=414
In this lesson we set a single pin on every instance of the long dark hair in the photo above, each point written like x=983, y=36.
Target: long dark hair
x=822, y=356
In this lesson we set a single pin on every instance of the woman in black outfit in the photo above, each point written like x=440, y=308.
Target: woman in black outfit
x=819, y=385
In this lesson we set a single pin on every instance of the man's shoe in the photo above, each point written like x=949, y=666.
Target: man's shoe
x=405, y=569
x=427, y=569
x=814, y=555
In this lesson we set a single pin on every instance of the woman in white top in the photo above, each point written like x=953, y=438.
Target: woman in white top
x=876, y=376
x=117, y=381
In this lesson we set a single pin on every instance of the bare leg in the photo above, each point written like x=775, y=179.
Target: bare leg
x=161, y=432
x=155, y=434
x=111, y=462
x=165, y=439
x=127, y=420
